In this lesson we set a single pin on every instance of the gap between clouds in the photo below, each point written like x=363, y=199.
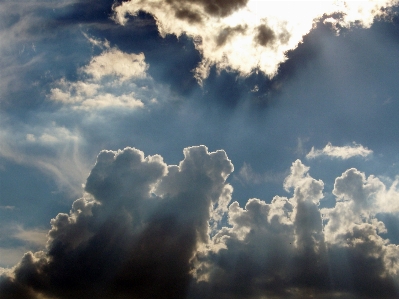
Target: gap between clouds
x=147, y=229
x=244, y=35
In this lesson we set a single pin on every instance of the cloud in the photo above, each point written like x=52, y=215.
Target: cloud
x=35, y=236
x=91, y=96
x=341, y=152
x=112, y=80
x=147, y=229
x=284, y=249
x=11, y=256
x=115, y=62
x=261, y=32
x=7, y=208
x=27, y=58
x=16, y=240
x=247, y=175
x=109, y=76
x=136, y=206
x=50, y=147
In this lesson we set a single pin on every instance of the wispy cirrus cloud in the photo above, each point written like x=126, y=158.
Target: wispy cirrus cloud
x=51, y=148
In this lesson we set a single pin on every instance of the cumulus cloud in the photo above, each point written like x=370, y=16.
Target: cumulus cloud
x=244, y=35
x=285, y=248
x=145, y=229
x=118, y=63
x=91, y=96
x=136, y=206
x=341, y=152
x=109, y=81
x=359, y=199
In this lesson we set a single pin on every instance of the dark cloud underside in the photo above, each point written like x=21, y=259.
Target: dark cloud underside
x=141, y=235
x=219, y=8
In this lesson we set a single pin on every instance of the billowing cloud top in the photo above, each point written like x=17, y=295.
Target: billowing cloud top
x=244, y=35
x=144, y=230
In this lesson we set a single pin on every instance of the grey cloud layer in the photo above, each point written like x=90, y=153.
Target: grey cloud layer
x=143, y=231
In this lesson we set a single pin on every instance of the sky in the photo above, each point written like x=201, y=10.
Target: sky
x=199, y=149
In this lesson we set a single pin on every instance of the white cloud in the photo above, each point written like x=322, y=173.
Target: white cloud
x=111, y=80
x=352, y=222
x=245, y=35
x=93, y=97
x=298, y=173
x=341, y=152
x=117, y=63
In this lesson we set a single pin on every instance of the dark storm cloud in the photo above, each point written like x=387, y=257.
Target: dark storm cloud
x=143, y=232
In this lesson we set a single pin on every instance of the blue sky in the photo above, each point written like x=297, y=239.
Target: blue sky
x=199, y=149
